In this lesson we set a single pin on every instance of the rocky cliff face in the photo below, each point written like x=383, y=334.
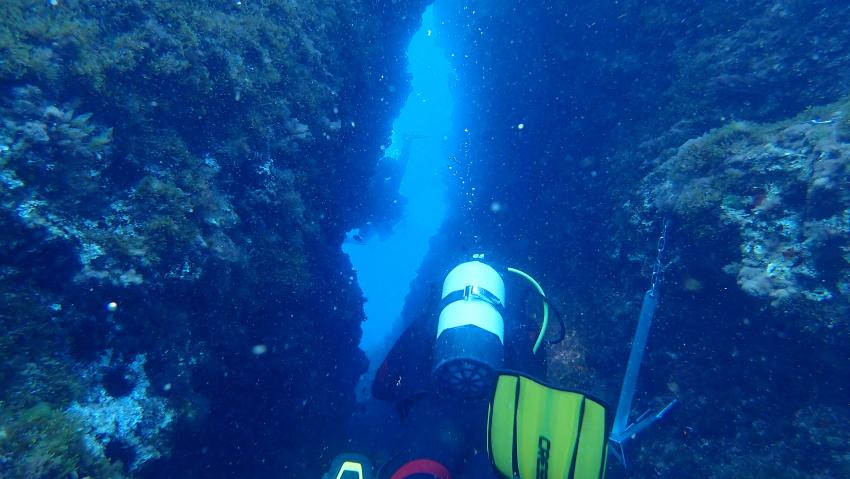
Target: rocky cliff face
x=197, y=164
x=588, y=124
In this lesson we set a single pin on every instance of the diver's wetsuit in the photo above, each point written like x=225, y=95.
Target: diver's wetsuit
x=407, y=422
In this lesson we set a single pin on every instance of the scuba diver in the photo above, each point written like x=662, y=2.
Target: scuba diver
x=382, y=197
x=462, y=381
x=468, y=401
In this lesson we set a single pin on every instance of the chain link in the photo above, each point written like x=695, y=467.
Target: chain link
x=658, y=267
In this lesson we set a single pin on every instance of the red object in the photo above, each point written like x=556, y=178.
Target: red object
x=422, y=466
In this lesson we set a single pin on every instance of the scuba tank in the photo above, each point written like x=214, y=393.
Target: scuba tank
x=469, y=347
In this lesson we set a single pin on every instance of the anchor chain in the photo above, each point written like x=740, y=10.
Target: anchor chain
x=658, y=267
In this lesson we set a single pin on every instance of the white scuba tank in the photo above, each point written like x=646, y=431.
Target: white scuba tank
x=470, y=338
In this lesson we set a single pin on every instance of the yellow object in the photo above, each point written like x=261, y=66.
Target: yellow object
x=349, y=466
x=545, y=307
x=538, y=431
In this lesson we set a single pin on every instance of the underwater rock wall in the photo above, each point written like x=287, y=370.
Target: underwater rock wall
x=774, y=199
x=757, y=310
x=587, y=124
x=197, y=164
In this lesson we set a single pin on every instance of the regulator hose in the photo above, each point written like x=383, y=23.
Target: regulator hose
x=545, y=323
x=563, y=332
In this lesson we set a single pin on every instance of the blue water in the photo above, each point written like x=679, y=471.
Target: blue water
x=386, y=266
x=199, y=163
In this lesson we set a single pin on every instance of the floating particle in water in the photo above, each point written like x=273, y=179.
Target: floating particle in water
x=692, y=284
x=259, y=349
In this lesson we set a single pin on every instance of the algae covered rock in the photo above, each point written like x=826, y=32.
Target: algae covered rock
x=196, y=164
x=776, y=198
x=43, y=442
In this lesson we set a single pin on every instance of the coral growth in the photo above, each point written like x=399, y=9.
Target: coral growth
x=43, y=442
x=128, y=416
x=196, y=164
x=780, y=194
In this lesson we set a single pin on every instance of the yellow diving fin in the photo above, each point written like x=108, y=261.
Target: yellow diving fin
x=536, y=431
x=349, y=466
